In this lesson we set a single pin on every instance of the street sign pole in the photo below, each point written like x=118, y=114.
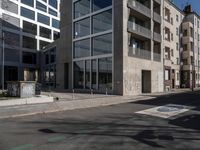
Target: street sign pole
x=3, y=46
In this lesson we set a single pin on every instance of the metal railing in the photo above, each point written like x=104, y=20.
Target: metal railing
x=156, y=57
x=140, y=53
x=157, y=17
x=157, y=37
x=139, y=29
x=140, y=7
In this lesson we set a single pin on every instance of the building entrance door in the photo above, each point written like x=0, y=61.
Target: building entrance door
x=146, y=81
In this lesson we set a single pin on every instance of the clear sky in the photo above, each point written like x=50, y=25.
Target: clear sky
x=195, y=4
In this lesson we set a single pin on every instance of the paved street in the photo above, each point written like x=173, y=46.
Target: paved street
x=116, y=127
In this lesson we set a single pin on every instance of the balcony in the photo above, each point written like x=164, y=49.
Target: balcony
x=137, y=29
x=157, y=37
x=158, y=1
x=139, y=7
x=157, y=17
x=157, y=57
x=139, y=53
x=187, y=67
x=168, y=62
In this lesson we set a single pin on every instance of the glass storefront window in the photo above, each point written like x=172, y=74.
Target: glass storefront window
x=87, y=74
x=102, y=22
x=79, y=75
x=105, y=74
x=94, y=74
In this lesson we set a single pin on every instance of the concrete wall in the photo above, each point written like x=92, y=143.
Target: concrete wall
x=132, y=67
x=64, y=52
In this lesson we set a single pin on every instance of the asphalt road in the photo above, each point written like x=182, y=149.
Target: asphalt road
x=115, y=127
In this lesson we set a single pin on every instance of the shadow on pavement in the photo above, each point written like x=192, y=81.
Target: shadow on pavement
x=189, y=121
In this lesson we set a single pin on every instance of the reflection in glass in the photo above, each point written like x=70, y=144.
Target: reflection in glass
x=82, y=28
x=79, y=75
x=87, y=74
x=94, y=74
x=82, y=48
x=99, y=4
x=81, y=8
x=102, y=44
x=102, y=22
x=105, y=74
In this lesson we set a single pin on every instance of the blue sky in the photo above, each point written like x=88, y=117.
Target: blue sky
x=195, y=4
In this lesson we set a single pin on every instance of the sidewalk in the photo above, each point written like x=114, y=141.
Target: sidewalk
x=77, y=103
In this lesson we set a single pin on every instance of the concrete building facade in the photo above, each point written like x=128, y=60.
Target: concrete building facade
x=172, y=20
x=27, y=26
x=111, y=46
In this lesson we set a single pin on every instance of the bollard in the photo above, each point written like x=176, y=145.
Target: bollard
x=106, y=91
x=73, y=94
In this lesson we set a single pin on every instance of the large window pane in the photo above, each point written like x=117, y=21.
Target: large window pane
x=81, y=8
x=11, y=38
x=11, y=22
x=28, y=2
x=82, y=48
x=105, y=74
x=53, y=3
x=29, y=58
x=102, y=44
x=82, y=28
x=29, y=42
x=94, y=74
x=102, y=21
x=29, y=28
x=87, y=74
x=41, y=6
x=43, y=19
x=55, y=23
x=53, y=12
x=44, y=32
x=99, y=4
x=79, y=75
x=27, y=13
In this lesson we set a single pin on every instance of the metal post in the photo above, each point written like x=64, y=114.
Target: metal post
x=3, y=46
x=73, y=94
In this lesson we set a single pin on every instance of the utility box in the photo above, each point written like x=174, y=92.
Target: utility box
x=22, y=89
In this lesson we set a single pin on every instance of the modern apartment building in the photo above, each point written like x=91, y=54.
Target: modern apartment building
x=27, y=26
x=111, y=45
x=191, y=49
x=172, y=21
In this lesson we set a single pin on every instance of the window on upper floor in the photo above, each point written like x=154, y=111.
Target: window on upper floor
x=99, y=4
x=29, y=28
x=28, y=2
x=43, y=19
x=55, y=23
x=81, y=8
x=44, y=32
x=177, y=18
x=9, y=6
x=53, y=3
x=29, y=42
x=41, y=6
x=27, y=13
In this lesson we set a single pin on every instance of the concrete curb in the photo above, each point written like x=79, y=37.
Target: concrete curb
x=25, y=101
x=79, y=104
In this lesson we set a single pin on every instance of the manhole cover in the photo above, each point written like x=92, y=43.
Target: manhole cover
x=170, y=108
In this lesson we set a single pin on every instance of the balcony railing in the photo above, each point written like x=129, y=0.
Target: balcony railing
x=157, y=17
x=157, y=37
x=140, y=7
x=140, y=53
x=156, y=57
x=139, y=29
